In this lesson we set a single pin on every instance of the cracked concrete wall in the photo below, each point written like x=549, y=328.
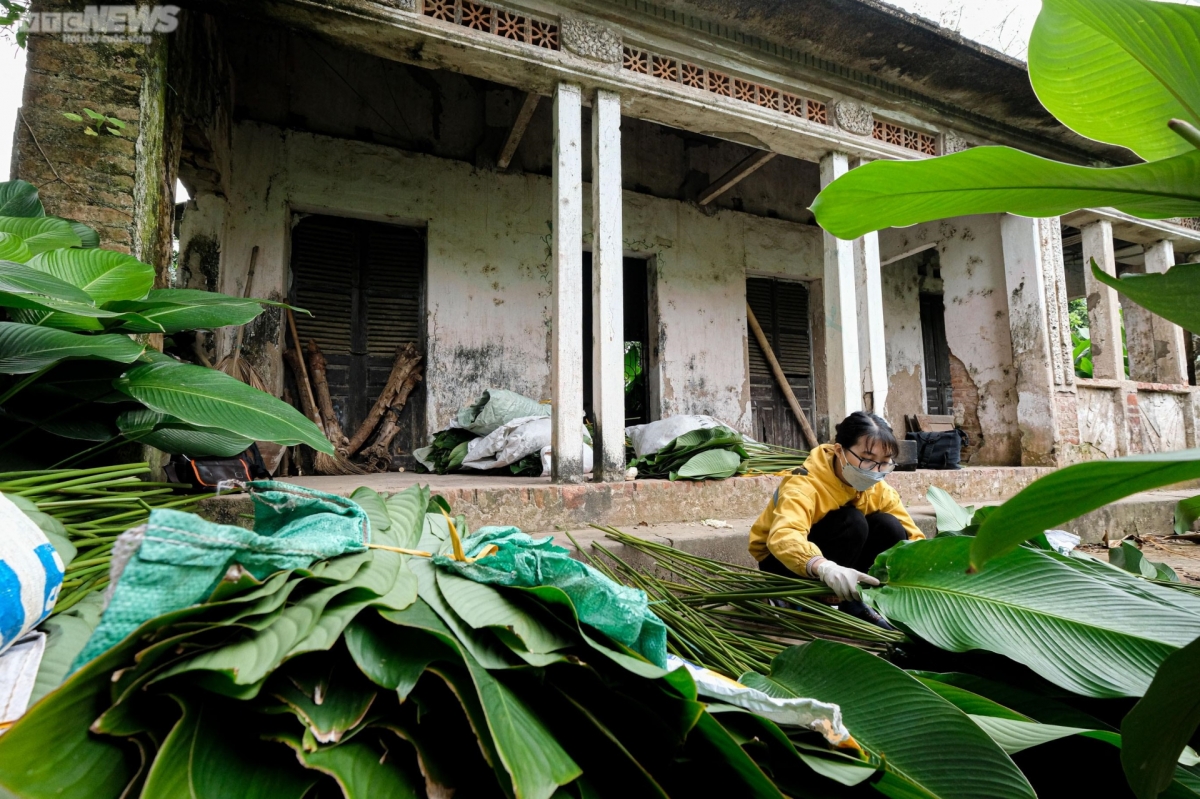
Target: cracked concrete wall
x=971, y=260
x=488, y=265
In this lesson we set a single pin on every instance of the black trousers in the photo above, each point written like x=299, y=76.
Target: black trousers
x=848, y=538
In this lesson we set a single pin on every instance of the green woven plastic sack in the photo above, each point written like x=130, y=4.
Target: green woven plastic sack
x=498, y=407
x=620, y=612
x=176, y=559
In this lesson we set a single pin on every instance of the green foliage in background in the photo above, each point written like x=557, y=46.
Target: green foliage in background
x=76, y=378
x=1117, y=71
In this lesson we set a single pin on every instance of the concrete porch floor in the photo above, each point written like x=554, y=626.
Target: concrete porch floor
x=538, y=506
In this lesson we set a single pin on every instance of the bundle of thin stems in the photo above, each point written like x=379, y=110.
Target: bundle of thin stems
x=771, y=459
x=721, y=615
x=94, y=506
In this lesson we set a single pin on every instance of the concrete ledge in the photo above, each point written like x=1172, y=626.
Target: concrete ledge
x=1148, y=513
x=536, y=505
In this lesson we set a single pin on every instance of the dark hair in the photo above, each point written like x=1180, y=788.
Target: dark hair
x=861, y=423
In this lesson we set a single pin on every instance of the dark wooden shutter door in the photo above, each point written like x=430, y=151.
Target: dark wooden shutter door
x=937, y=355
x=781, y=308
x=364, y=284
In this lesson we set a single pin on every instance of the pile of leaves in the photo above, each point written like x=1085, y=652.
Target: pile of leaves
x=74, y=383
x=449, y=447
x=379, y=674
x=709, y=454
x=714, y=454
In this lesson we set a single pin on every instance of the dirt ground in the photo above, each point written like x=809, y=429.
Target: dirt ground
x=1182, y=556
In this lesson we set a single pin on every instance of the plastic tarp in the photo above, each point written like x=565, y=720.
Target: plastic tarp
x=176, y=559
x=515, y=440
x=620, y=612
x=648, y=439
x=497, y=407
x=811, y=714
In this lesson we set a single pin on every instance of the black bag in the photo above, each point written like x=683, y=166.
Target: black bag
x=214, y=472
x=939, y=450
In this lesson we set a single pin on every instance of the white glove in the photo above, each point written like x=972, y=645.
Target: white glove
x=843, y=580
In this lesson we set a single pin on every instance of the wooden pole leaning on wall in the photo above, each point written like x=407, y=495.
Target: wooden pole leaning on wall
x=781, y=379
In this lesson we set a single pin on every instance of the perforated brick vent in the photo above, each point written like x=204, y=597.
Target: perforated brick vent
x=496, y=21
x=663, y=67
x=907, y=138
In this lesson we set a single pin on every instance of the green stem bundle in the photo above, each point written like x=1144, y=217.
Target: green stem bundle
x=94, y=506
x=721, y=616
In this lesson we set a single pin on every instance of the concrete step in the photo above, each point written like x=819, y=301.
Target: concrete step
x=1150, y=513
x=536, y=505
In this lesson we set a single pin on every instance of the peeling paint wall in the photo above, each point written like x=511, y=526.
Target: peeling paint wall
x=488, y=275
x=971, y=260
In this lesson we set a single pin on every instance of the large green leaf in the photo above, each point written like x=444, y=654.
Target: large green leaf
x=222, y=311
x=1073, y=491
x=18, y=198
x=482, y=606
x=1106, y=641
x=17, y=278
x=1174, y=295
x=13, y=248
x=176, y=437
x=986, y=180
x=406, y=515
x=105, y=275
x=1161, y=724
x=710, y=464
x=88, y=237
x=206, y=757
x=363, y=769
x=1187, y=511
x=951, y=517
x=42, y=233
x=202, y=297
x=1089, y=57
x=924, y=741
x=28, y=348
x=208, y=398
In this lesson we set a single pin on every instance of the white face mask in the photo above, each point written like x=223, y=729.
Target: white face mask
x=859, y=478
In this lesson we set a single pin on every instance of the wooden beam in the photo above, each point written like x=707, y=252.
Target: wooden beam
x=744, y=168
x=518, y=130
x=781, y=379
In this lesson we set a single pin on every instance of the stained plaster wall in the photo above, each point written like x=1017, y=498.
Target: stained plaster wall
x=971, y=260
x=488, y=274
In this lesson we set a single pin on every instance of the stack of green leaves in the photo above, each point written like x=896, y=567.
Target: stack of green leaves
x=378, y=674
x=447, y=450
x=712, y=453
x=82, y=511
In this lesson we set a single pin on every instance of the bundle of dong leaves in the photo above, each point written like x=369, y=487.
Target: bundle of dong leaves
x=714, y=454
x=379, y=674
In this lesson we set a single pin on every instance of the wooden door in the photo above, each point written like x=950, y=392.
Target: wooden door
x=363, y=282
x=938, y=391
x=781, y=308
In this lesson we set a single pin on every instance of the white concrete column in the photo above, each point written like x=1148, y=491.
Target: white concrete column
x=1104, y=318
x=843, y=379
x=566, y=367
x=608, y=313
x=1170, y=358
x=1024, y=278
x=868, y=291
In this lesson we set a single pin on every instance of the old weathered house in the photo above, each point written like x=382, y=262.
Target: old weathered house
x=479, y=177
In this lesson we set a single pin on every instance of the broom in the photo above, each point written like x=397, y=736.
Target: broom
x=232, y=364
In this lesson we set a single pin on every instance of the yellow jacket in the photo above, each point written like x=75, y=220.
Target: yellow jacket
x=803, y=500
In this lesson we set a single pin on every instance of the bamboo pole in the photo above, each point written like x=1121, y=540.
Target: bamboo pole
x=781, y=379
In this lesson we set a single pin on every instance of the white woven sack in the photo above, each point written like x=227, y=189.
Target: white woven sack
x=31, y=574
